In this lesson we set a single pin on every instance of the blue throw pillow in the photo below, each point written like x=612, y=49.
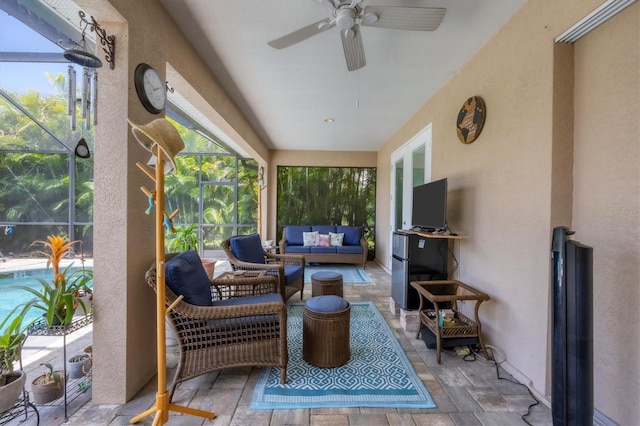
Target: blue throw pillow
x=351, y=235
x=186, y=277
x=293, y=234
x=248, y=248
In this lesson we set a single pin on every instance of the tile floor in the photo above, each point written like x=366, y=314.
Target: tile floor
x=466, y=393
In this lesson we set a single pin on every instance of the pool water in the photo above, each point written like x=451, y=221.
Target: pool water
x=11, y=297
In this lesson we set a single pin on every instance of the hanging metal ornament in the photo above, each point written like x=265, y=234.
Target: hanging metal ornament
x=89, y=92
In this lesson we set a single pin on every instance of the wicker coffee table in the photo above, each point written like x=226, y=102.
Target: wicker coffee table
x=243, y=283
x=325, y=331
x=325, y=283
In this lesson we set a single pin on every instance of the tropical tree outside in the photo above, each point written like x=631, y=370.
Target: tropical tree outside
x=328, y=196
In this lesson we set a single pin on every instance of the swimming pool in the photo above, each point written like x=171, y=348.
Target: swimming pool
x=11, y=297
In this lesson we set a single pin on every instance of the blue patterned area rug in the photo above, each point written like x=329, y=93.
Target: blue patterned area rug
x=350, y=273
x=377, y=375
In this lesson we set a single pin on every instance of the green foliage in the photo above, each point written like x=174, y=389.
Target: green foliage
x=327, y=196
x=185, y=238
x=57, y=303
x=12, y=334
x=50, y=375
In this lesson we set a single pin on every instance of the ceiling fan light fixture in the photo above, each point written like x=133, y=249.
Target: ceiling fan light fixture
x=345, y=19
x=329, y=120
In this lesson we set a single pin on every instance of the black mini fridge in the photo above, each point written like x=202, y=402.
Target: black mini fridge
x=572, y=344
x=415, y=258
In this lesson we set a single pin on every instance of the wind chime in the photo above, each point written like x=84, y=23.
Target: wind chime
x=89, y=83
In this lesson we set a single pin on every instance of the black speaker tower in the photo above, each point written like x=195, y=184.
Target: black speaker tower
x=572, y=345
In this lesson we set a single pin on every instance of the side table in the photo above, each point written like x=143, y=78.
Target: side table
x=243, y=283
x=450, y=292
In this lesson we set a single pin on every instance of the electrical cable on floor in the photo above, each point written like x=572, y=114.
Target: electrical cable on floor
x=490, y=350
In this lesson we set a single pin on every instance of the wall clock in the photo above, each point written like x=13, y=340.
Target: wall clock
x=150, y=87
x=471, y=119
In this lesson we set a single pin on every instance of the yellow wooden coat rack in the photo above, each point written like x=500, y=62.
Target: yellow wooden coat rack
x=162, y=405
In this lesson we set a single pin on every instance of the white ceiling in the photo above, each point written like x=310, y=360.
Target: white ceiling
x=286, y=94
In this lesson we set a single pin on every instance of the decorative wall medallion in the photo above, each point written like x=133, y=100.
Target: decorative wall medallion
x=471, y=119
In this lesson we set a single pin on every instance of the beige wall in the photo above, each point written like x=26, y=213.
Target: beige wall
x=124, y=327
x=606, y=204
x=513, y=187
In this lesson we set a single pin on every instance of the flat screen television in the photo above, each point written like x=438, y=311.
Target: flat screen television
x=430, y=206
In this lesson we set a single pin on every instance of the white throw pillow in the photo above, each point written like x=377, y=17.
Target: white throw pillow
x=336, y=239
x=309, y=238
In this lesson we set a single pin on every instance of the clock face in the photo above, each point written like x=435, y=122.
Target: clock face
x=471, y=119
x=151, y=88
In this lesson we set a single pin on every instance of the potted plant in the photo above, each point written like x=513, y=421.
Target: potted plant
x=78, y=365
x=48, y=386
x=58, y=298
x=186, y=238
x=11, y=338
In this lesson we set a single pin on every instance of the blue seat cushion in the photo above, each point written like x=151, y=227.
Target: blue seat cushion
x=351, y=235
x=297, y=249
x=293, y=234
x=350, y=249
x=326, y=275
x=292, y=273
x=322, y=249
x=248, y=248
x=329, y=303
x=186, y=277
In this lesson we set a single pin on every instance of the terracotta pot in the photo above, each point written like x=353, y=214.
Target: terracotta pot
x=209, y=266
x=10, y=392
x=44, y=392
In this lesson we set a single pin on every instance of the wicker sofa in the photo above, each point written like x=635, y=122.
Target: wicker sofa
x=353, y=247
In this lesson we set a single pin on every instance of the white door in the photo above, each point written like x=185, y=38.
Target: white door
x=410, y=166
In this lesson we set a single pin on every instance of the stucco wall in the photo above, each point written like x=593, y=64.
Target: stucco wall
x=124, y=327
x=606, y=204
x=504, y=179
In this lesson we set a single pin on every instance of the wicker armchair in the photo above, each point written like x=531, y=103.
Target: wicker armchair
x=224, y=336
x=288, y=268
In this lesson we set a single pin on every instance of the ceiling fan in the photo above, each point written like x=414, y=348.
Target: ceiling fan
x=349, y=15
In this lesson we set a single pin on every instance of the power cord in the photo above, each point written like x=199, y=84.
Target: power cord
x=494, y=362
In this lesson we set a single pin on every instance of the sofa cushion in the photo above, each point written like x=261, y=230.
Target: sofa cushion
x=296, y=249
x=293, y=234
x=322, y=249
x=336, y=239
x=309, y=238
x=186, y=277
x=323, y=229
x=248, y=248
x=323, y=240
x=350, y=249
x=351, y=235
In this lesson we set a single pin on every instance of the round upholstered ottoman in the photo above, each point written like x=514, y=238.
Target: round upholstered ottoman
x=325, y=331
x=324, y=283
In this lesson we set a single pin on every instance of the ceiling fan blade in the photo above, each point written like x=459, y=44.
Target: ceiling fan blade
x=302, y=34
x=403, y=18
x=353, y=48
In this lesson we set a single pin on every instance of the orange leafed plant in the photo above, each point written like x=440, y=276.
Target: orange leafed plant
x=58, y=298
x=59, y=247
